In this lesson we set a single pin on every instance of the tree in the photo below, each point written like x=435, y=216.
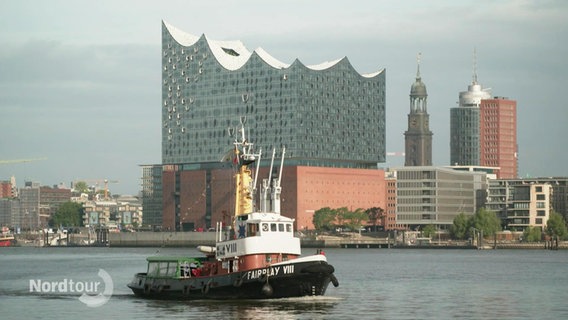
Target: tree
x=532, y=234
x=81, y=187
x=342, y=214
x=486, y=221
x=69, y=214
x=460, y=227
x=324, y=218
x=556, y=226
x=376, y=214
x=355, y=219
x=428, y=231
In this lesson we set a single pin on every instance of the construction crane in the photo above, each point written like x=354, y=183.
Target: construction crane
x=20, y=160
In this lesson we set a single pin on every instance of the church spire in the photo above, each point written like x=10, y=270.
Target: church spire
x=418, y=56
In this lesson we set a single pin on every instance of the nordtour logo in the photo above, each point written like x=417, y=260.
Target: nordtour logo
x=93, y=293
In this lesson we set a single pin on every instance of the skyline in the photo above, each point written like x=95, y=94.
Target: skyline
x=81, y=81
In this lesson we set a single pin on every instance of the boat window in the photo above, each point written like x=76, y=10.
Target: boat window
x=153, y=268
x=172, y=269
x=288, y=227
x=281, y=227
x=273, y=227
x=252, y=229
x=163, y=269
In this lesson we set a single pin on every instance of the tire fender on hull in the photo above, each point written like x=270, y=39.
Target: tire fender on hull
x=238, y=282
x=319, y=268
x=205, y=288
x=267, y=289
x=334, y=280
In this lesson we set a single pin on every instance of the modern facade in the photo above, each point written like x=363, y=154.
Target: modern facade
x=503, y=196
x=520, y=205
x=436, y=195
x=328, y=117
x=498, y=136
x=152, y=194
x=418, y=137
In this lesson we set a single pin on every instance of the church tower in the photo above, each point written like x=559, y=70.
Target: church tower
x=418, y=137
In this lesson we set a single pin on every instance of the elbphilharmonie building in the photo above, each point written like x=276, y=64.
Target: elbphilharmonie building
x=327, y=114
x=329, y=117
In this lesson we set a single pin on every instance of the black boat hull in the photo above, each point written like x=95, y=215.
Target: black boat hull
x=287, y=280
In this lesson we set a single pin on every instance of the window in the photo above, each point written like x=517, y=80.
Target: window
x=273, y=227
x=281, y=227
x=540, y=197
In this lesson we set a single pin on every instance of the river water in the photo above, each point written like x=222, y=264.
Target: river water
x=374, y=284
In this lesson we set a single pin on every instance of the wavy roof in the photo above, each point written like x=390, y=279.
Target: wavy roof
x=232, y=55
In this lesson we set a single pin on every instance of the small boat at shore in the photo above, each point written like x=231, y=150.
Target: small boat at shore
x=257, y=256
x=6, y=238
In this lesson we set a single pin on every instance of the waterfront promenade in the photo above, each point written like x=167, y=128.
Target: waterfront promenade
x=192, y=239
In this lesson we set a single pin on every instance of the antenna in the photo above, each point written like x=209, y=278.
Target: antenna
x=474, y=66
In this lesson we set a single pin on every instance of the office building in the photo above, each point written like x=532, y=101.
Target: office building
x=436, y=195
x=498, y=136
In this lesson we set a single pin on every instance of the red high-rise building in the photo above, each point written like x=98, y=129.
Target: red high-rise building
x=498, y=136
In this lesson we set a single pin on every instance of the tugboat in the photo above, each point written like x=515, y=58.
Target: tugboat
x=256, y=257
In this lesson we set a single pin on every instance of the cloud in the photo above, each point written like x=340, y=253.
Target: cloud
x=88, y=109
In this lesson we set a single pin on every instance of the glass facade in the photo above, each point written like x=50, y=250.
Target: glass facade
x=152, y=194
x=464, y=136
x=332, y=117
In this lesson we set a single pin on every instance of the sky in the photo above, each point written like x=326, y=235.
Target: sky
x=80, y=81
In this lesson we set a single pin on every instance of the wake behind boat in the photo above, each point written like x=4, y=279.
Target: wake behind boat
x=256, y=257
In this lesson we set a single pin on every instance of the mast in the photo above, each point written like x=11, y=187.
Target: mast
x=264, y=201
x=277, y=189
x=243, y=179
